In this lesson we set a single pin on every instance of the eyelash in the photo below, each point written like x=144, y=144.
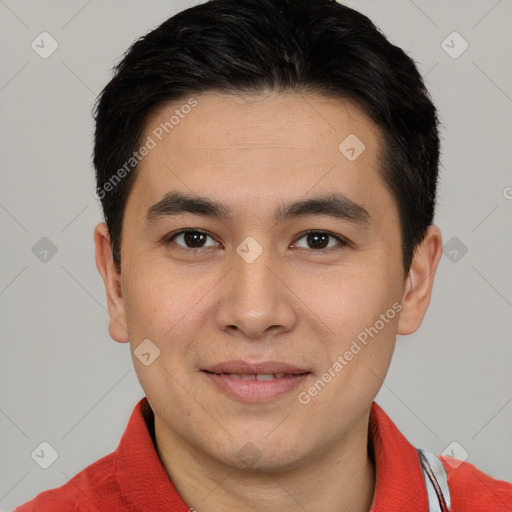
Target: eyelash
x=342, y=242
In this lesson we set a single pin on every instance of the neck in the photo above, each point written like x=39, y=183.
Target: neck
x=341, y=479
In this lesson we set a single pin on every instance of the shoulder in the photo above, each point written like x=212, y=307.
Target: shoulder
x=93, y=489
x=472, y=490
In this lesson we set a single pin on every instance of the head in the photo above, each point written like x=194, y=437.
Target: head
x=267, y=171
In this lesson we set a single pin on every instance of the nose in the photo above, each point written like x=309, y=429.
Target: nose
x=256, y=300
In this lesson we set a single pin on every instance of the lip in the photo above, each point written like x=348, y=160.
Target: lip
x=255, y=390
x=240, y=366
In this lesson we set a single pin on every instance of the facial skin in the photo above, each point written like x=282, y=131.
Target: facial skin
x=293, y=304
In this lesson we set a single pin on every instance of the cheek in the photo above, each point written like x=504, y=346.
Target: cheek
x=156, y=298
x=346, y=300
x=163, y=309
x=358, y=312
x=358, y=354
x=170, y=309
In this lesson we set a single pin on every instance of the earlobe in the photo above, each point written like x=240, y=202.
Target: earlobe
x=112, y=281
x=420, y=281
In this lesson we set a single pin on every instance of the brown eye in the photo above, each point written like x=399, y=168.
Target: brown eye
x=192, y=239
x=320, y=240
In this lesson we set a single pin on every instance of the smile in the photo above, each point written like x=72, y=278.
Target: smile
x=258, y=376
x=255, y=383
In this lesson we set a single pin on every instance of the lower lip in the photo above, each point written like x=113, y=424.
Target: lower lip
x=256, y=390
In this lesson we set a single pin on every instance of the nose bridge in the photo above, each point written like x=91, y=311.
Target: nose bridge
x=254, y=298
x=252, y=274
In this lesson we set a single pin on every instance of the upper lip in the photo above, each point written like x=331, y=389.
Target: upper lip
x=244, y=367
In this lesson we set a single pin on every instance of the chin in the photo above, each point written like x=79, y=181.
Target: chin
x=251, y=460
x=261, y=455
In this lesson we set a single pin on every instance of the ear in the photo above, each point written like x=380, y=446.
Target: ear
x=420, y=280
x=117, y=326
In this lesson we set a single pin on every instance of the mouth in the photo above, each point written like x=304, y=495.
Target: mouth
x=257, y=376
x=255, y=382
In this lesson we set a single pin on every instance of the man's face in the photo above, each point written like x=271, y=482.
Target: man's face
x=255, y=288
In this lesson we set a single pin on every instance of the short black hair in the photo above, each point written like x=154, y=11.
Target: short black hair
x=285, y=46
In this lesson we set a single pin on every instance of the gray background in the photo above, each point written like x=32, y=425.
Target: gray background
x=64, y=381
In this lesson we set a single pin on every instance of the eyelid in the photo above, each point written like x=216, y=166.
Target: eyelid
x=342, y=241
x=167, y=239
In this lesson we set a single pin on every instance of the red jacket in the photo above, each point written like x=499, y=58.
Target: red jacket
x=132, y=478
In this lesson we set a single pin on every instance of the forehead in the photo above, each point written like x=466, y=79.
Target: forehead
x=299, y=122
x=262, y=148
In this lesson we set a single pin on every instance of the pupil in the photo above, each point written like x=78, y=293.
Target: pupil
x=317, y=240
x=313, y=239
x=193, y=239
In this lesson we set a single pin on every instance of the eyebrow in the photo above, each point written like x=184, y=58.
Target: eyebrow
x=333, y=204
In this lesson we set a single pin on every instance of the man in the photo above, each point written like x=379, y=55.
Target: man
x=268, y=171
